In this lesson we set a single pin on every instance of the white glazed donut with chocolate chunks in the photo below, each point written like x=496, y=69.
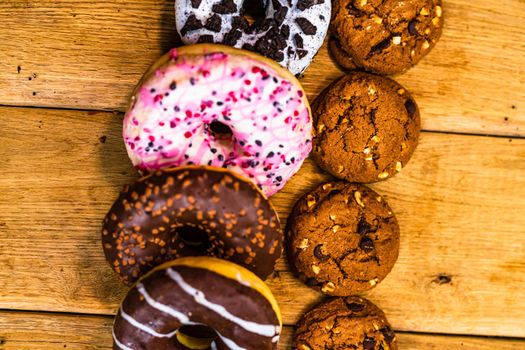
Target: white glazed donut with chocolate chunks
x=290, y=31
x=198, y=303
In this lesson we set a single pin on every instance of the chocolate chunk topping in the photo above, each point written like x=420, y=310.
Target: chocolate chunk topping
x=272, y=44
x=306, y=4
x=412, y=30
x=285, y=33
x=239, y=22
x=280, y=15
x=319, y=254
x=381, y=46
x=298, y=40
x=224, y=7
x=195, y=3
x=364, y=227
x=411, y=108
x=372, y=116
x=232, y=37
x=388, y=333
x=205, y=39
x=355, y=307
x=366, y=244
x=214, y=23
x=306, y=26
x=301, y=53
x=192, y=23
x=369, y=343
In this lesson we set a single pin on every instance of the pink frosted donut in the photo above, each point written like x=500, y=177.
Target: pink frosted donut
x=214, y=105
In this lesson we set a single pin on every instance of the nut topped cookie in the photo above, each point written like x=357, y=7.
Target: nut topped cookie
x=385, y=37
x=344, y=323
x=366, y=128
x=342, y=238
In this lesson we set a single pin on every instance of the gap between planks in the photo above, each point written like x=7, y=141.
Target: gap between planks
x=45, y=331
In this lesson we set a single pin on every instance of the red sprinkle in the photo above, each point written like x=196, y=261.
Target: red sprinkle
x=300, y=93
x=161, y=123
x=151, y=138
x=295, y=113
x=158, y=98
x=256, y=69
x=187, y=134
x=188, y=114
x=206, y=73
x=247, y=82
x=288, y=120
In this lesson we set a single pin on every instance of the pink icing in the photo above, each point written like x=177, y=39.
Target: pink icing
x=169, y=122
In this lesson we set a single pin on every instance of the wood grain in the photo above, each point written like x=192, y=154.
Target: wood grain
x=90, y=54
x=458, y=203
x=44, y=331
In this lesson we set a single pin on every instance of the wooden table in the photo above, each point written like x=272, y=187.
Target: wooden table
x=67, y=68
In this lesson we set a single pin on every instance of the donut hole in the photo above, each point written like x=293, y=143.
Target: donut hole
x=253, y=11
x=221, y=130
x=196, y=337
x=195, y=239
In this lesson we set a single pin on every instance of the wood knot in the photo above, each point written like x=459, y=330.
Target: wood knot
x=442, y=279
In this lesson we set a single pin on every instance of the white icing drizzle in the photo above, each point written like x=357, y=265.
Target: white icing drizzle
x=119, y=344
x=145, y=328
x=229, y=343
x=182, y=318
x=242, y=281
x=199, y=297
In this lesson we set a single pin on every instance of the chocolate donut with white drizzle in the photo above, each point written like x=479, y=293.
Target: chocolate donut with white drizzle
x=198, y=303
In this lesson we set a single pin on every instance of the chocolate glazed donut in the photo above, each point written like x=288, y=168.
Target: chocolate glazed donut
x=198, y=303
x=191, y=211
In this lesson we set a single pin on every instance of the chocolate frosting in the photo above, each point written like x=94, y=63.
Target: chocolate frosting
x=167, y=214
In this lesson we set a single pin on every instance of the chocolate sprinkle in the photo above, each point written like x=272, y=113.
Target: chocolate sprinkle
x=195, y=3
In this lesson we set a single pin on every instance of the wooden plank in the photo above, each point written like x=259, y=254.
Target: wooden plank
x=89, y=55
x=459, y=203
x=38, y=331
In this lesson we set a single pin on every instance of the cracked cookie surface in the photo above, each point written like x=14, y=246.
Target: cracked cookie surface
x=344, y=323
x=366, y=128
x=342, y=238
x=385, y=37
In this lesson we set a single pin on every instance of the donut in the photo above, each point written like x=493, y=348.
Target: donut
x=198, y=303
x=289, y=32
x=191, y=211
x=223, y=107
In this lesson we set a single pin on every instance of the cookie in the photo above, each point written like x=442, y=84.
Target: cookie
x=385, y=37
x=344, y=323
x=366, y=128
x=342, y=238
